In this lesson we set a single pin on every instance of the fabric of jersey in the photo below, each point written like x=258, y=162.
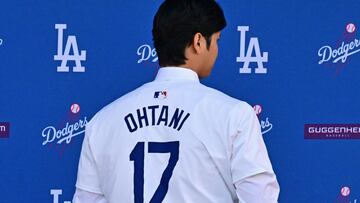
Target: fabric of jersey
x=219, y=143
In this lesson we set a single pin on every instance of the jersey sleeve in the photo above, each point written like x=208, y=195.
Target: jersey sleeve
x=261, y=187
x=248, y=151
x=87, y=176
x=82, y=196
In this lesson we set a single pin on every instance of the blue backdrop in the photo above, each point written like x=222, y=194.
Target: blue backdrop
x=312, y=77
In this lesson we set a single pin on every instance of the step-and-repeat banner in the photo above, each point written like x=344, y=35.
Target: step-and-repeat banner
x=296, y=62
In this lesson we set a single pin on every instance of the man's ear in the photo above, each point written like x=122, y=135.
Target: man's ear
x=198, y=43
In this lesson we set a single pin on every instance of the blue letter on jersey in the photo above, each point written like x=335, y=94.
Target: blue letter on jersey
x=177, y=119
x=131, y=128
x=142, y=117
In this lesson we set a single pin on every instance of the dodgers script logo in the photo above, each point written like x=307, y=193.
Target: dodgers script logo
x=346, y=46
x=64, y=55
x=1, y=41
x=56, y=194
x=65, y=132
x=246, y=55
x=146, y=52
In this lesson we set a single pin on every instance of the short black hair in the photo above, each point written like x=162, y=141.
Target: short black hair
x=177, y=21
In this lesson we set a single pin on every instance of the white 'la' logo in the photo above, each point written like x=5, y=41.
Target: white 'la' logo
x=253, y=45
x=65, y=56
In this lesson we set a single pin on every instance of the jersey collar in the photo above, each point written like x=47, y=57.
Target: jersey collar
x=176, y=73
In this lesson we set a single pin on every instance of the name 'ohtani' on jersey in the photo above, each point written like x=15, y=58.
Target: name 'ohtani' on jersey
x=146, y=116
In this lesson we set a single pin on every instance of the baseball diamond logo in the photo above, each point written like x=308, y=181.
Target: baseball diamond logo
x=56, y=193
x=64, y=55
x=247, y=57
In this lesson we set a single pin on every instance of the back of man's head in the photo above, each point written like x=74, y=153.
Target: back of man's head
x=177, y=21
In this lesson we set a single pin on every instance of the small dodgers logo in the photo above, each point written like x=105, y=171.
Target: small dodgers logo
x=160, y=95
x=72, y=126
x=64, y=55
x=247, y=57
x=337, y=55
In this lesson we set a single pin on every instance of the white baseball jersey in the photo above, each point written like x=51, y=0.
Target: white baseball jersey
x=175, y=140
